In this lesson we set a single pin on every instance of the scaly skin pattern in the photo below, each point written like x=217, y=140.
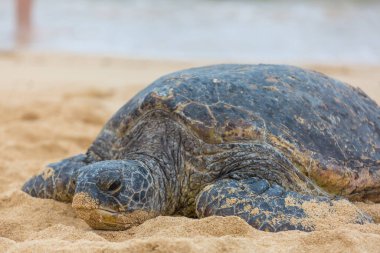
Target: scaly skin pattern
x=107, y=190
x=198, y=132
x=57, y=181
x=269, y=207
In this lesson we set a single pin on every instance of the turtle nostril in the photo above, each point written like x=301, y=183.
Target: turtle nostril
x=114, y=186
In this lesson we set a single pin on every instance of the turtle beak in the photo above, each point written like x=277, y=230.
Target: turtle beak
x=88, y=209
x=98, y=217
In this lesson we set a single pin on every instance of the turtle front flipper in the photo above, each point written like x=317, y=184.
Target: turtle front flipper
x=272, y=208
x=57, y=181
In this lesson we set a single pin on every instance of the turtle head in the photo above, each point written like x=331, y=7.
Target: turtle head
x=116, y=195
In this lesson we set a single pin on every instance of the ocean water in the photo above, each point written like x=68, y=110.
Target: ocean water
x=240, y=30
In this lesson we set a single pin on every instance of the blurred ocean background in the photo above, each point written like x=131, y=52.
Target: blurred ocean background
x=237, y=30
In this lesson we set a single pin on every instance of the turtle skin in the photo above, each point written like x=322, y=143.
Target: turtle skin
x=247, y=137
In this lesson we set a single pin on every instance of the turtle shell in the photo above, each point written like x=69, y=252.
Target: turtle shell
x=307, y=115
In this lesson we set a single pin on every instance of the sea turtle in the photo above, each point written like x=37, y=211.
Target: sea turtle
x=275, y=145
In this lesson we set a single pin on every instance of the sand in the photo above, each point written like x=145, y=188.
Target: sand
x=52, y=106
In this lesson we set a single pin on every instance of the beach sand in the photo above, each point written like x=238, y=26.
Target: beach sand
x=53, y=106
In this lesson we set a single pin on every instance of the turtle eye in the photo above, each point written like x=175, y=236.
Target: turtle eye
x=115, y=186
x=109, y=182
